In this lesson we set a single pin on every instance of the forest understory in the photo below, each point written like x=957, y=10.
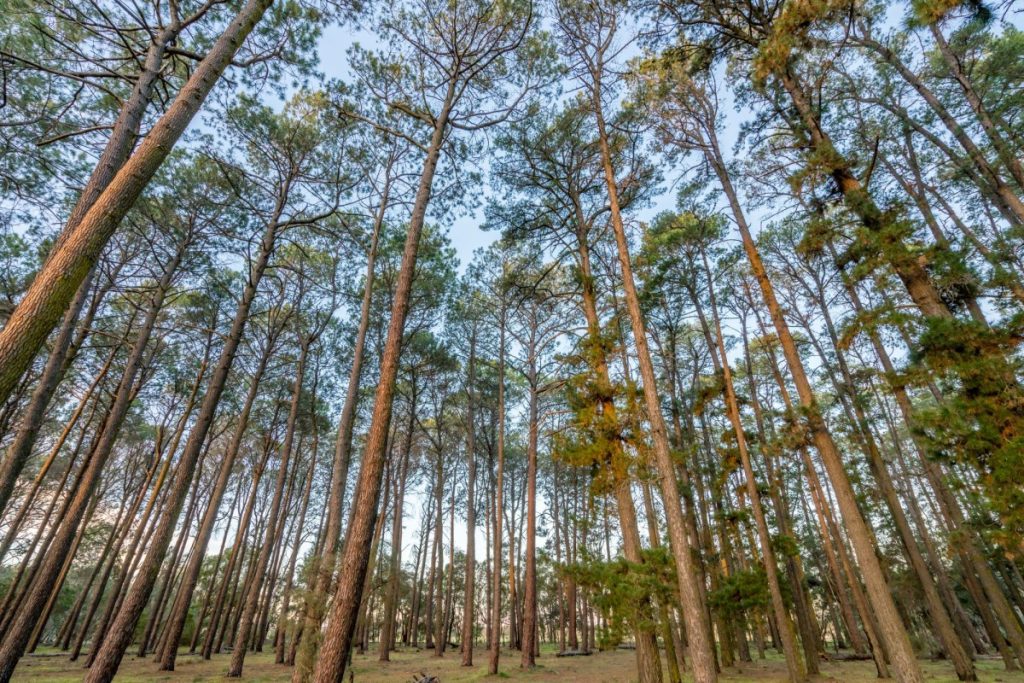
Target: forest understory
x=615, y=666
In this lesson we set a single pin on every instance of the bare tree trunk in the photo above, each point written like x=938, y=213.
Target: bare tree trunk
x=495, y=651
x=648, y=665
x=469, y=597
x=802, y=602
x=282, y=620
x=156, y=613
x=529, y=634
x=109, y=556
x=30, y=497
x=201, y=619
x=940, y=618
x=355, y=556
x=388, y=628
x=248, y=612
x=51, y=292
x=437, y=595
x=20, y=450
x=141, y=537
x=108, y=658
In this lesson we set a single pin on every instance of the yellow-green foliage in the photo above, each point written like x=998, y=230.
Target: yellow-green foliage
x=933, y=11
x=790, y=30
x=982, y=423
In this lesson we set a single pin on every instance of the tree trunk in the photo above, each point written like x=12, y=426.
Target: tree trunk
x=498, y=513
x=108, y=658
x=897, y=643
x=387, y=634
x=17, y=636
x=280, y=639
x=249, y=610
x=68, y=265
x=785, y=625
x=529, y=634
x=469, y=598
x=179, y=612
x=697, y=628
x=355, y=556
x=321, y=579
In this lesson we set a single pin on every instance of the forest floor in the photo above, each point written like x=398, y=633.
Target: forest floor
x=606, y=667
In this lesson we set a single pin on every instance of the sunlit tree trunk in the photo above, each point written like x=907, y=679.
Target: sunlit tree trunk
x=68, y=265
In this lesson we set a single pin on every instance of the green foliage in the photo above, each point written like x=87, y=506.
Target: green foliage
x=981, y=423
x=740, y=593
x=623, y=591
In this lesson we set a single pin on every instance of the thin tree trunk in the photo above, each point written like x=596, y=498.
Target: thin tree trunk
x=387, y=636
x=179, y=612
x=469, y=597
x=282, y=619
x=355, y=556
x=495, y=607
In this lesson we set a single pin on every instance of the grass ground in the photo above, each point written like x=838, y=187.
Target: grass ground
x=605, y=667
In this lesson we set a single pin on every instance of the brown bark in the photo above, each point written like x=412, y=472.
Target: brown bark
x=119, y=145
x=469, y=597
x=238, y=547
x=143, y=529
x=387, y=634
x=30, y=497
x=897, y=643
x=68, y=265
x=20, y=450
x=355, y=556
x=316, y=603
x=179, y=612
x=697, y=628
x=498, y=513
x=249, y=611
x=940, y=618
x=280, y=639
x=808, y=625
x=108, y=657
x=783, y=622
x=529, y=634
x=17, y=635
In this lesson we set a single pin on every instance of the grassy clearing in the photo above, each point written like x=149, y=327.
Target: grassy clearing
x=605, y=667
